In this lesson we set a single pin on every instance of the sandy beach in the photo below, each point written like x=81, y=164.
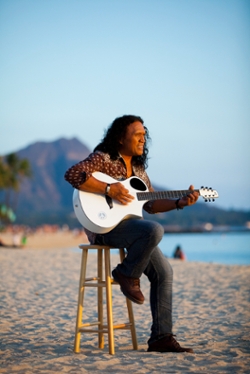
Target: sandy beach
x=38, y=298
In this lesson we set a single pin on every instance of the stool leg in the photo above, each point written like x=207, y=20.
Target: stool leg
x=109, y=302
x=80, y=300
x=100, y=297
x=130, y=310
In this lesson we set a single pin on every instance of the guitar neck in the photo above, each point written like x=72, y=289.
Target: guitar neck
x=160, y=195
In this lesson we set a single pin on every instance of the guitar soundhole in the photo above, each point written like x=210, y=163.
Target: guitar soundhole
x=137, y=184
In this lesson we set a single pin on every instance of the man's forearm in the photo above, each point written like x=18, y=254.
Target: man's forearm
x=165, y=205
x=93, y=185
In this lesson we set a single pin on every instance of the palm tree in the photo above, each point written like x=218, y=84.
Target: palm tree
x=12, y=172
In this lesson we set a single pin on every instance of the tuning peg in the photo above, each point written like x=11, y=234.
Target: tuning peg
x=213, y=200
x=205, y=200
x=202, y=186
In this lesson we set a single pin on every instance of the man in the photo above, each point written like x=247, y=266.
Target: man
x=122, y=153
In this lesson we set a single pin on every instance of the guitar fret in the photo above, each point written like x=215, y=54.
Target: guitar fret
x=172, y=194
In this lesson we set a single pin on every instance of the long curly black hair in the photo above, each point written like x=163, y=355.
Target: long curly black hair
x=115, y=132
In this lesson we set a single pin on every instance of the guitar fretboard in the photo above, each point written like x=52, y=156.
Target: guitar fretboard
x=159, y=195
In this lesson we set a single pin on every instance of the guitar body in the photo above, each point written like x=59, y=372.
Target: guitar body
x=99, y=213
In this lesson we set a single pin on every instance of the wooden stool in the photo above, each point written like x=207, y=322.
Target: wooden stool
x=99, y=282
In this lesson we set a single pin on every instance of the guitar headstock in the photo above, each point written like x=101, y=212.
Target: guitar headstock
x=208, y=193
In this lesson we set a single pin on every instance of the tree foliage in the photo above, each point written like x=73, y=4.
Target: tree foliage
x=13, y=171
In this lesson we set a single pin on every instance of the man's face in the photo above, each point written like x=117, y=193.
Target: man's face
x=133, y=142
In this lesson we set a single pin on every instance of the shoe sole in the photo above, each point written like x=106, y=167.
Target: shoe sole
x=168, y=351
x=131, y=298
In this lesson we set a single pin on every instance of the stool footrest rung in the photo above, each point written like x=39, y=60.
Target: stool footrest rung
x=90, y=324
x=93, y=331
x=99, y=284
x=94, y=284
x=122, y=326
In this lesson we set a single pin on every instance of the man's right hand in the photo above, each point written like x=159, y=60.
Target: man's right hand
x=120, y=193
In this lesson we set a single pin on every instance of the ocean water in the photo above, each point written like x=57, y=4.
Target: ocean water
x=229, y=248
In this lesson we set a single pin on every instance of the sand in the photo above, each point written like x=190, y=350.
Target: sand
x=46, y=240
x=38, y=299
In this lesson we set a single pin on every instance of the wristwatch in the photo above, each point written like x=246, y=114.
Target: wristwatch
x=178, y=207
x=107, y=189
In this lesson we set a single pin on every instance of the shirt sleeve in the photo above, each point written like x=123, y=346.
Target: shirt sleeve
x=79, y=173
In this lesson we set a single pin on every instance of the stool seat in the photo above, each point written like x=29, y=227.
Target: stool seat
x=100, y=281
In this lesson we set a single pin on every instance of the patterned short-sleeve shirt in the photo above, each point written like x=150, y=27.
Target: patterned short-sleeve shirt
x=99, y=161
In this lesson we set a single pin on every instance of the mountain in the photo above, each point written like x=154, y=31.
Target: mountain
x=47, y=197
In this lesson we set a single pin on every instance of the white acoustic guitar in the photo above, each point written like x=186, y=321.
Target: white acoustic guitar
x=100, y=214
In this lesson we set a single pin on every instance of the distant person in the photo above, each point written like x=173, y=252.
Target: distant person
x=123, y=153
x=16, y=239
x=178, y=253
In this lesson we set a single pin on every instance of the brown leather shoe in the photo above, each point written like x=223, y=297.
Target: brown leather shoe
x=167, y=344
x=130, y=287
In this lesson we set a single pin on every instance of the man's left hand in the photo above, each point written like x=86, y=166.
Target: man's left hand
x=189, y=199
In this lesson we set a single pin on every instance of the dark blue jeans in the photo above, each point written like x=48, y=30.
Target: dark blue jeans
x=141, y=238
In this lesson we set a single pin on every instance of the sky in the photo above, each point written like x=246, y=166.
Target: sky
x=68, y=68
